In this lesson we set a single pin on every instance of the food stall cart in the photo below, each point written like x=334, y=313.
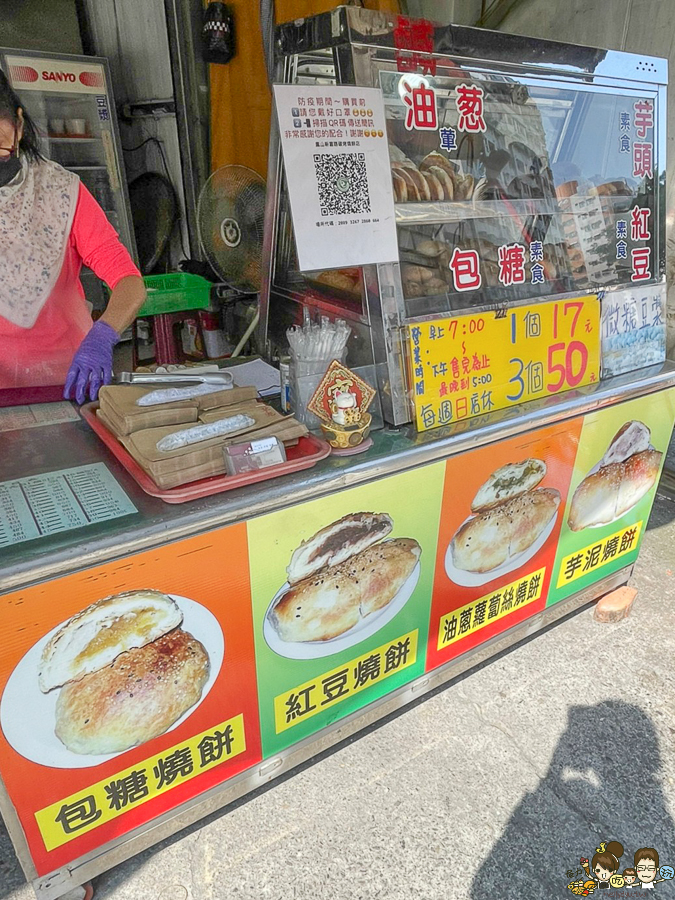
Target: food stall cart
x=161, y=661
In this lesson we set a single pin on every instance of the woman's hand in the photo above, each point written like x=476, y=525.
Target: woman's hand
x=92, y=365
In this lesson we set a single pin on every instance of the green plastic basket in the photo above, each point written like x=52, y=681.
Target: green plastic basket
x=175, y=292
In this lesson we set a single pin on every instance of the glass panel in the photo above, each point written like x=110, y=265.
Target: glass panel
x=343, y=287
x=510, y=189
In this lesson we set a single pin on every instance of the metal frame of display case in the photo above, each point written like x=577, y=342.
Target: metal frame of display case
x=352, y=46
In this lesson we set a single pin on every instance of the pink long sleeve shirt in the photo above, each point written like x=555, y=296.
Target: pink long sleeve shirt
x=41, y=355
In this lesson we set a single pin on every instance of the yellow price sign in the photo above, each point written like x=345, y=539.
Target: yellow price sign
x=473, y=364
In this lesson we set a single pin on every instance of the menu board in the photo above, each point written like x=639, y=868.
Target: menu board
x=468, y=365
x=41, y=505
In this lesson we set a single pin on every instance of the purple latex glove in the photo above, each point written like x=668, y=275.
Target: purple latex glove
x=92, y=364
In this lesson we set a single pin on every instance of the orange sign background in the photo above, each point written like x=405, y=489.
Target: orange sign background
x=212, y=570
x=557, y=446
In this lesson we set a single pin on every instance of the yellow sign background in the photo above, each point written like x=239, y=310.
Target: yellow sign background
x=468, y=365
x=95, y=796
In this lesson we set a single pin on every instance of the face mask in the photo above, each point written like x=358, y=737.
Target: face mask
x=9, y=168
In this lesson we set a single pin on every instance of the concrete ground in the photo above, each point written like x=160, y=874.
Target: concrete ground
x=491, y=789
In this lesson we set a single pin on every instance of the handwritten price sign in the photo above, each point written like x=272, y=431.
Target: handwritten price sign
x=473, y=364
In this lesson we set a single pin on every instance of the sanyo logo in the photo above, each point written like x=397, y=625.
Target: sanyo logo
x=59, y=76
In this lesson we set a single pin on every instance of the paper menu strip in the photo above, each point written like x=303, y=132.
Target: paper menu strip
x=41, y=505
x=14, y=418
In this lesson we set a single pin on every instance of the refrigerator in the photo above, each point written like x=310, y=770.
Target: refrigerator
x=71, y=101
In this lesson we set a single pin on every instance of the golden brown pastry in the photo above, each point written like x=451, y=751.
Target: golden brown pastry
x=437, y=159
x=494, y=536
x=135, y=699
x=420, y=181
x=400, y=188
x=413, y=289
x=335, y=599
x=93, y=638
x=336, y=279
x=337, y=542
x=614, y=489
x=435, y=187
x=463, y=187
x=509, y=481
x=445, y=180
x=435, y=286
x=430, y=248
x=406, y=175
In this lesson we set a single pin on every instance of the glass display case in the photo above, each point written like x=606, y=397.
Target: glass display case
x=521, y=169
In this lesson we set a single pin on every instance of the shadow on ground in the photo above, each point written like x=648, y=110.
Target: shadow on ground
x=603, y=784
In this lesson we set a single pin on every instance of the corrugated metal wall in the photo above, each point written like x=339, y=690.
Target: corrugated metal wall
x=50, y=25
x=132, y=35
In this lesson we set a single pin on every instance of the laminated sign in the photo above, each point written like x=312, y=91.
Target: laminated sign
x=334, y=142
x=468, y=365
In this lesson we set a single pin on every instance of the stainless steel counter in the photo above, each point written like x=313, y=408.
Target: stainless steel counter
x=50, y=448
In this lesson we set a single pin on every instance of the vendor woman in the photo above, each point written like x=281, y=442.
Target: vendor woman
x=50, y=225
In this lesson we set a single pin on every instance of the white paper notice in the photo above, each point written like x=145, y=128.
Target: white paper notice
x=633, y=329
x=334, y=142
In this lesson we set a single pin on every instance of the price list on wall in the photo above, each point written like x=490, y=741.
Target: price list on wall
x=473, y=364
x=41, y=505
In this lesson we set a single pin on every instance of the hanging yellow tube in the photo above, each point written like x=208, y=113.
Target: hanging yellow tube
x=240, y=96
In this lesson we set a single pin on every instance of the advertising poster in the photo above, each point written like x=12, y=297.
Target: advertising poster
x=341, y=590
x=503, y=505
x=532, y=352
x=127, y=690
x=619, y=461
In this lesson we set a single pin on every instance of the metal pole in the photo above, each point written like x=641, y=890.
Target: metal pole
x=190, y=85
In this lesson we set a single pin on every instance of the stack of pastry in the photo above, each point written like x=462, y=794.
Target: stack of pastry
x=125, y=671
x=341, y=575
x=182, y=441
x=121, y=413
x=436, y=178
x=508, y=515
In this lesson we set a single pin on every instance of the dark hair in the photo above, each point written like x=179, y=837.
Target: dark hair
x=646, y=853
x=9, y=109
x=609, y=859
x=629, y=872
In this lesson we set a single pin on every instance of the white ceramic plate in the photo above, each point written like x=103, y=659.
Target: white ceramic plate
x=27, y=715
x=475, y=579
x=362, y=630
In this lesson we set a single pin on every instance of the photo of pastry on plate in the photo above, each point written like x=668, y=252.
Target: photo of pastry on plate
x=511, y=518
x=623, y=476
x=343, y=583
x=125, y=671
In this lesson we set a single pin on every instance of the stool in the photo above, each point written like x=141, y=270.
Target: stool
x=168, y=347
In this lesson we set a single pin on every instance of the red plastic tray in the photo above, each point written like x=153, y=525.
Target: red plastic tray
x=307, y=453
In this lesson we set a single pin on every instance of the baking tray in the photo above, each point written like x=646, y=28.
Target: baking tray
x=307, y=453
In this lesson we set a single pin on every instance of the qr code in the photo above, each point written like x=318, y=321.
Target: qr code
x=343, y=183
